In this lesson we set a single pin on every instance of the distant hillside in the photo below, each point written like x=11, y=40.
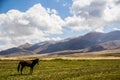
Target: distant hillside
x=24, y=46
x=90, y=42
x=40, y=46
x=93, y=41
x=15, y=52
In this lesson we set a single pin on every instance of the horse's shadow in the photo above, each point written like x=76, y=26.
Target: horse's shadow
x=19, y=74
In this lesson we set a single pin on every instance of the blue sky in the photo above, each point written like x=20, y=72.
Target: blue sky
x=62, y=6
x=34, y=21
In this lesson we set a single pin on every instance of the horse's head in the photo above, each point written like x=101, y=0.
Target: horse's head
x=37, y=60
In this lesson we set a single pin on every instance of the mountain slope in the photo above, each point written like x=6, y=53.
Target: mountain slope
x=90, y=42
x=24, y=46
x=94, y=41
x=40, y=46
x=15, y=52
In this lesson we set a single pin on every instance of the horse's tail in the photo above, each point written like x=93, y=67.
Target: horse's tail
x=18, y=67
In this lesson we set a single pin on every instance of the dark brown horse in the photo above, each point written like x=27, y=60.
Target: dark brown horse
x=29, y=63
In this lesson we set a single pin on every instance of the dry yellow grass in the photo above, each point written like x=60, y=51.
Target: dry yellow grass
x=63, y=58
x=106, y=54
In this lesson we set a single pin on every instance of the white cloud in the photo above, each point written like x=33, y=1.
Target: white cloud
x=93, y=15
x=112, y=11
x=36, y=23
x=39, y=23
x=74, y=22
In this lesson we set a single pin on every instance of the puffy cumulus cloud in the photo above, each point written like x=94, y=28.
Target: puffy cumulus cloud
x=75, y=22
x=112, y=11
x=93, y=14
x=35, y=24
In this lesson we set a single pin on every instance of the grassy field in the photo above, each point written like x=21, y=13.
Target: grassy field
x=63, y=70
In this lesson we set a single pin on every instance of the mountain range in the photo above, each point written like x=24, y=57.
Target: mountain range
x=90, y=42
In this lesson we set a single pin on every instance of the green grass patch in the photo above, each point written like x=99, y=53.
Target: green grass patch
x=63, y=70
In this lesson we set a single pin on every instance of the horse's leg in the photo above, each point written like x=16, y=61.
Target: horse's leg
x=31, y=70
x=21, y=69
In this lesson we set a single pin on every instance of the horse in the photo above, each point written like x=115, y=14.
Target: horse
x=28, y=63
